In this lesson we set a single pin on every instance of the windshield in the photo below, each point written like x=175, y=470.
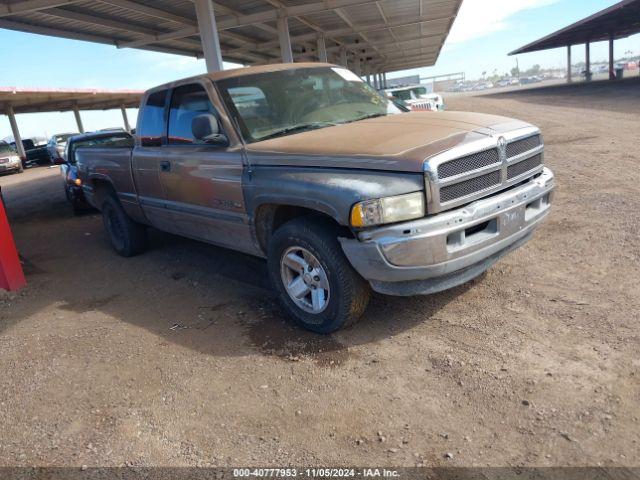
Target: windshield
x=6, y=148
x=267, y=105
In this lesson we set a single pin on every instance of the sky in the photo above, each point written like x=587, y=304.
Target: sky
x=484, y=32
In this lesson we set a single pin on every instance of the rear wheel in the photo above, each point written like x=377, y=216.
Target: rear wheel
x=316, y=285
x=127, y=237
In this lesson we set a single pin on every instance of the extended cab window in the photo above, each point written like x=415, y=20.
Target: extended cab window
x=152, y=120
x=187, y=102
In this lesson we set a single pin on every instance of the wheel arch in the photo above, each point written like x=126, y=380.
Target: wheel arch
x=101, y=187
x=269, y=216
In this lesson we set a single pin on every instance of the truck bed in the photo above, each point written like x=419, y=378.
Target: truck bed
x=111, y=165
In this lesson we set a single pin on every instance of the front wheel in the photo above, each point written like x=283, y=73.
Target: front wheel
x=127, y=237
x=316, y=285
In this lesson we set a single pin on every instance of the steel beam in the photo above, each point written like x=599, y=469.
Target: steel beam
x=587, y=56
x=209, y=35
x=16, y=132
x=293, y=11
x=343, y=57
x=569, y=71
x=151, y=11
x=322, y=49
x=612, y=73
x=76, y=113
x=28, y=6
x=284, y=40
x=125, y=119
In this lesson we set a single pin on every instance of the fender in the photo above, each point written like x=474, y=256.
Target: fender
x=327, y=190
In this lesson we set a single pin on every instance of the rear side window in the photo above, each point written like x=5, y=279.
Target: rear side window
x=152, y=120
x=187, y=102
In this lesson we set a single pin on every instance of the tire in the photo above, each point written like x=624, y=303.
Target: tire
x=20, y=168
x=127, y=237
x=347, y=296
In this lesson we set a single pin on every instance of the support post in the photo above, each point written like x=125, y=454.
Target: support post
x=76, y=113
x=384, y=80
x=368, y=78
x=16, y=133
x=376, y=81
x=285, y=40
x=11, y=274
x=612, y=72
x=343, y=57
x=357, y=66
x=569, y=79
x=125, y=119
x=209, y=35
x=322, y=49
x=587, y=56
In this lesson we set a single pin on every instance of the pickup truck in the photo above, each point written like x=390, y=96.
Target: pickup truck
x=306, y=165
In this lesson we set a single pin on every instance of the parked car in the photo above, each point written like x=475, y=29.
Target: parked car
x=529, y=80
x=306, y=165
x=57, y=145
x=103, y=139
x=35, y=154
x=416, y=97
x=10, y=161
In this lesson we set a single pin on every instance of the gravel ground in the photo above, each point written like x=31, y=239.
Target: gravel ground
x=180, y=356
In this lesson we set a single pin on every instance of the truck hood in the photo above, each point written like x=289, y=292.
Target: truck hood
x=395, y=142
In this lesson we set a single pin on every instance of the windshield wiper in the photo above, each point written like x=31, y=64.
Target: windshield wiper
x=366, y=117
x=302, y=127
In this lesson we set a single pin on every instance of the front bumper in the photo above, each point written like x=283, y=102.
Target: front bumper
x=440, y=252
x=9, y=167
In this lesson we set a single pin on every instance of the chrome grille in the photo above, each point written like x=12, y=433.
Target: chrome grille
x=468, y=163
x=524, y=166
x=482, y=167
x=469, y=187
x=521, y=146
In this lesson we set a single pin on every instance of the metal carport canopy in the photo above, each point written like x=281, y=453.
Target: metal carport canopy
x=378, y=35
x=15, y=100
x=37, y=100
x=618, y=21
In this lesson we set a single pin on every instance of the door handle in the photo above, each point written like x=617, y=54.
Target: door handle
x=165, y=166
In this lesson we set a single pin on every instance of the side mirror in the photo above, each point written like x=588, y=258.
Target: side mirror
x=206, y=128
x=59, y=161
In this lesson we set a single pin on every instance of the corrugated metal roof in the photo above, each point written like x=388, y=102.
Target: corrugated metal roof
x=30, y=100
x=618, y=21
x=386, y=34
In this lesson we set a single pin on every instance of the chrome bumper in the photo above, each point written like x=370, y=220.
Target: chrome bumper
x=439, y=252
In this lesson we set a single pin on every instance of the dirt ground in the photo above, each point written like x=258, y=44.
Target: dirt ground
x=181, y=357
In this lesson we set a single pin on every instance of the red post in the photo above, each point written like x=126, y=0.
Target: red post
x=11, y=275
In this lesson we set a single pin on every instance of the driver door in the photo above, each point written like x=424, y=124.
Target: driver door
x=202, y=182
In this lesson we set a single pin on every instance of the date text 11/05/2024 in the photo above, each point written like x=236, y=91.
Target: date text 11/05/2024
x=315, y=472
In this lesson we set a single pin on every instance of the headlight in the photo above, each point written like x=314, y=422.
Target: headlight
x=388, y=210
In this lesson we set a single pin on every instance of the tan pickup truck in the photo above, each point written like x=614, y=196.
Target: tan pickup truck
x=338, y=188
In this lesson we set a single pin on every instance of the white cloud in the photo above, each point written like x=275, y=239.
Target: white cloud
x=478, y=18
